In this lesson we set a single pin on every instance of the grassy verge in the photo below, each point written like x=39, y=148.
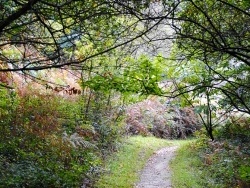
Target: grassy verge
x=189, y=168
x=123, y=167
x=218, y=164
x=184, y=168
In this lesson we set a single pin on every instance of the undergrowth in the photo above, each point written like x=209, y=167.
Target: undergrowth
x=158, y=117
x=46, y=142
x=219, y=164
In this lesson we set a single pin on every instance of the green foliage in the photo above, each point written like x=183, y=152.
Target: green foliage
x=236, y=128
x=210, y=164
x=207, y=87
x=139, y=76
x=33, y=152
x=221, y=163
x=244, y=172
x=211, y=36
x=71, y=114
x=8, y=102
x=61, y=32
x=211, y=70
x=102, y=117
x=213, y=21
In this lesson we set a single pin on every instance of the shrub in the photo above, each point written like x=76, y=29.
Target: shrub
x=235, y=128
x=33, y=152
x=226, y=160
x=151, y=117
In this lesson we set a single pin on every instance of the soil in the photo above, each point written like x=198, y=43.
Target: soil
x=156, y=173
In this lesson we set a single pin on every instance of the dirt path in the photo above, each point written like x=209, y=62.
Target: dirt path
x=156, y=173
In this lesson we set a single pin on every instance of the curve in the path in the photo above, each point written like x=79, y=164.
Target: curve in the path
x=156, y=173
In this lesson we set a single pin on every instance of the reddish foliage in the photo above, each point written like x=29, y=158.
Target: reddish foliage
x=152, y=117
x=36, y=115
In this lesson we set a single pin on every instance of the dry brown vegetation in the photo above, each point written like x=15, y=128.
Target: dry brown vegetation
x=152, y=117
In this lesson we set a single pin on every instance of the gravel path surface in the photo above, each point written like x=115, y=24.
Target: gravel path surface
x=156, y=173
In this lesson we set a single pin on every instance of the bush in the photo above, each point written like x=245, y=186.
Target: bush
x=151, y=117
x=33, y=152
x=235, y=128
x=226, y=161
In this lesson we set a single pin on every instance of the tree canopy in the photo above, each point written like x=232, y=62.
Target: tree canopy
x=212, y=56
x=40, y=34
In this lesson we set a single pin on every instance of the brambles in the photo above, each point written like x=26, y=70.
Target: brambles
x=225, y=161
x=43, y=145
x=151, y=117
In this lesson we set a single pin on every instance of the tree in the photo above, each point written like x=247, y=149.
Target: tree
x=42, y=34
x=196, y=86
x=215, y=28
x=217, y=34
x=140, y=75
x=212, y=48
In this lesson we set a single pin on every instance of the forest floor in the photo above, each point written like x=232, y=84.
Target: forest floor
x=156, y=173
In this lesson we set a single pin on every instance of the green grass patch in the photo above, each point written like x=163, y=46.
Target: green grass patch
x=122, y=169
x=184, y=167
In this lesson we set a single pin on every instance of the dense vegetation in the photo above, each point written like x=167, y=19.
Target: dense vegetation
x=74, y=74
x=46, y=144
x=223, y=163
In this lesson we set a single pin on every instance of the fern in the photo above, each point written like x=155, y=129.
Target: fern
x=77, y=141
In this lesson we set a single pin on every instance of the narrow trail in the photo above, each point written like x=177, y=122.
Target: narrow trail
x=156, y=173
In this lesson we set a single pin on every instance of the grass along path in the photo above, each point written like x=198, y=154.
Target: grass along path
x=184, y=171
x=123, y=169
